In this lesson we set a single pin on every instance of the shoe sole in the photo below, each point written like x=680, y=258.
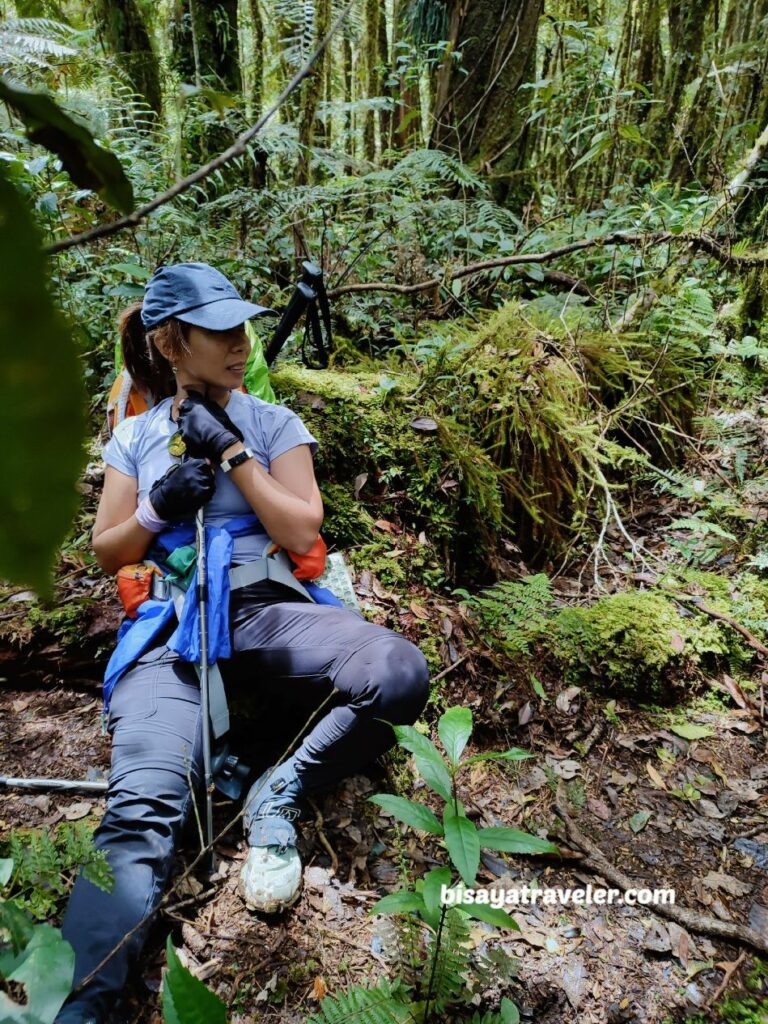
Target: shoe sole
x=273, y=907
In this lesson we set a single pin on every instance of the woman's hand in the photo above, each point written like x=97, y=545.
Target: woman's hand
x=183, y=489
x=206, y=428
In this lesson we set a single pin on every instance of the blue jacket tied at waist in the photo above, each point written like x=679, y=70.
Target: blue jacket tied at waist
x=135, y=635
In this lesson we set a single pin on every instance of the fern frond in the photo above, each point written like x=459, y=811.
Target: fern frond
x=518, y=611
x=452, y=961
x=386, y=1003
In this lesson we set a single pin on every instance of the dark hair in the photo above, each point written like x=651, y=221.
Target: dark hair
x=148, y=367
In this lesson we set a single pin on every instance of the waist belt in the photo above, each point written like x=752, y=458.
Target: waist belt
x=277, y=567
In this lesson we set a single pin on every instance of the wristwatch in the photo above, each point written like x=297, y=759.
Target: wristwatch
x=236, y=460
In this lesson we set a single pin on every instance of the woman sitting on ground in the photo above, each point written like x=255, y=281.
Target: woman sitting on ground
x=186, y=346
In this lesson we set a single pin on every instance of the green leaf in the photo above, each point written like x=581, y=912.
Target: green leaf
x=538, y=689
x=186, y=1000
x=463, y=842
x=512, y=840
x=18, y=925
x=410, y=812
x=42, y=407
x=638, y=821
x=632, y=133
x=429, y=762
x=492, y=915
x=513, y=754
x=402, y=902
x=87, y=164
x=46, y=967
x=454, y=729
x=691, y=732
x=508, y=1012
x=6, y=870
x=132, y=269
x=434, y=881
x=601, y=142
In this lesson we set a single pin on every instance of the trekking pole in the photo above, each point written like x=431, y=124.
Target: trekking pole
x=85, y=785
x=202, y=598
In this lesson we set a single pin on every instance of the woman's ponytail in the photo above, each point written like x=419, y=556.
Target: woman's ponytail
x=150, y=371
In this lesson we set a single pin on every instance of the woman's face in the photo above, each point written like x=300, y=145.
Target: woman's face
x=215, y=358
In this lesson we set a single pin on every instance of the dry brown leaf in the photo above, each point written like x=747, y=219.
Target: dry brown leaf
x=76, y=811
x=654, y=776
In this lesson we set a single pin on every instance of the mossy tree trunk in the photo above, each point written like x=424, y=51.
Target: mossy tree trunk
x=406, y=127
x=311, y=91
x=373, y=13
x=385, y=117
x=124, y=34
x=205, y=43
x=257, y=69
x=478, y=114
x=690, y=22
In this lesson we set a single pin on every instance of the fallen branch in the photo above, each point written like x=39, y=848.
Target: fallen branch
x=238, y=148
x=717, y=250
x=690, y=919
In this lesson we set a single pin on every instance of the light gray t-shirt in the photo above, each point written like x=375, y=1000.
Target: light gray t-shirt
x=139, y=448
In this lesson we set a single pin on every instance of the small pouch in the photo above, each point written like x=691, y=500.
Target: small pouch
x=134, y=585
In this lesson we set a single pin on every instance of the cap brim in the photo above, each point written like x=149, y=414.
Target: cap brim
x=223, y=315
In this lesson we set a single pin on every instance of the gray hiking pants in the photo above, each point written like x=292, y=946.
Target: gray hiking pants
x=155, y=724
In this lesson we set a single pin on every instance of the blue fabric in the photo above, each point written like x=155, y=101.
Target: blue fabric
x=135, y=635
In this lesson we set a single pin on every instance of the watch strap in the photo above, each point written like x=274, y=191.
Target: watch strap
x=236, y=460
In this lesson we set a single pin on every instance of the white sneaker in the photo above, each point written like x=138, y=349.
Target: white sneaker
x=270, y=880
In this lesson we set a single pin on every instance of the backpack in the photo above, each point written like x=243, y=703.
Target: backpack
x=126, y=400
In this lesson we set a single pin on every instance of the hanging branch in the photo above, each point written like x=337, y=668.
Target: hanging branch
x=238, y=148
x=706, y=242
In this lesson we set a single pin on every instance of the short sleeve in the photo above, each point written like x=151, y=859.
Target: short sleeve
x=288, y=432
x=117, y=451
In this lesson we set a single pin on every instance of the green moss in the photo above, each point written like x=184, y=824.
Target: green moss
x=347, y=521
x=373, y=557
x=519, y=404
x=634, y=642
x=64, y=621
x=433, y=481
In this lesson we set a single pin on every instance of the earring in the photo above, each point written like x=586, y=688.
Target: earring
x=174, y=368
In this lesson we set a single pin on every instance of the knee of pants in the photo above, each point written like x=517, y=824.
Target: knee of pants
x=145, y=812
x=396, y=679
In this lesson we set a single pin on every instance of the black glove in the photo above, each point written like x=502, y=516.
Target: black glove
x=205, y=427
x=181, y=491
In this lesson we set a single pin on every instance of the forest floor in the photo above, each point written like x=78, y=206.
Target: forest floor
x=585, y=964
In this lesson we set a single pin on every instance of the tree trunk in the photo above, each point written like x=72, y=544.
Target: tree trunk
x=346, y=78
x=477, y=111
x=257, y=28
x=688, y=22
x=120, y=25
x=385, y=117
x=372, y=13
x=205, y=43
x=311, y=91
x=406, y=128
